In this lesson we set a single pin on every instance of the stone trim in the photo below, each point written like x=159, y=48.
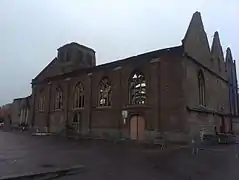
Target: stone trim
x=205, y=110
x=212, y=72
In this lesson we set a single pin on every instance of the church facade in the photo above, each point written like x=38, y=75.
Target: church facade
x=179, y=90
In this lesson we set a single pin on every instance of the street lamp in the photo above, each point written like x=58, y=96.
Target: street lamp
x=124, y=115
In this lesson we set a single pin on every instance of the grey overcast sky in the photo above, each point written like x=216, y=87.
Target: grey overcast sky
x=32, y=30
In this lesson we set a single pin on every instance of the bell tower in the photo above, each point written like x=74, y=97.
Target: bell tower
x=79, y=56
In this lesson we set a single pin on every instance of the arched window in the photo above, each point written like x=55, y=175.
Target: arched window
x=78, y=96
x=201, y=88
x=41, y=103
x=105, y=91
x=137, y=88
x=58, y=98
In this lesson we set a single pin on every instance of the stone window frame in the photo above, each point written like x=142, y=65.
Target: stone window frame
x=137, y=83
x=201, y=88
x=58, y=101
x=41, y=103
x=78, y=96
x=105, y=93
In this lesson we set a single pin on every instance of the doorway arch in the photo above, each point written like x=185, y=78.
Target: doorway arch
x=137, y=127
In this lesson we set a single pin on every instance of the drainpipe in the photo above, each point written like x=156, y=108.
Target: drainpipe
x=27, y=112
x=120, y=101
x=158, y=96
x=157, y=62
x=120, y=83
x=90, y=103
x=67, y=99
x=49, y=107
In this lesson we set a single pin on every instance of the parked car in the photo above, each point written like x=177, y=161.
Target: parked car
x=226, y=138
x=1, y=122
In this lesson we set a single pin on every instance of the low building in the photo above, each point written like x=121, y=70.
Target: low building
x=20, y=111
x=5, y=113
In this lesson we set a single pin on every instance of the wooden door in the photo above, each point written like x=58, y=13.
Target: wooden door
x=141, y=127
x=137, y=126
x=133, y=128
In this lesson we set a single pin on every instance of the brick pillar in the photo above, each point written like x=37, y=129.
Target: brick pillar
x=33, y=106
x=90, y=102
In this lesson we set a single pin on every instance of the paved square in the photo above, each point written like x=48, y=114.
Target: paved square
x=23, y=153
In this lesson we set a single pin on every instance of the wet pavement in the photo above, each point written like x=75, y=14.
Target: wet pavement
x=22, y=153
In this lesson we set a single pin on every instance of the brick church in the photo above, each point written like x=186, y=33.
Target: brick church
x=178, y=90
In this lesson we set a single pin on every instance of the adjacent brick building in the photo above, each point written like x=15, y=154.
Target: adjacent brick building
x=20, y=110
x=5, y=112
x=178, y=90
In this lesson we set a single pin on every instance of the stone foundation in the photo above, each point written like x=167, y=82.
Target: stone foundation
x=149, y=135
